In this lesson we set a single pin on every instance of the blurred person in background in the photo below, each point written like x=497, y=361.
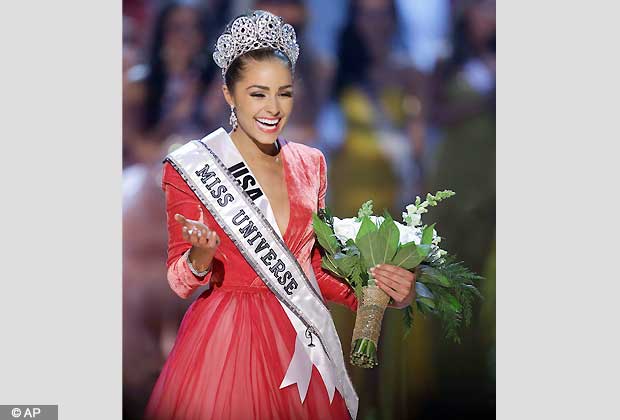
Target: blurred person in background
x=131, y=57
x=374, y=89
x=464, y=110
x=326, y=18
x=165, y=96
x=426, y=30
x=161, y=100
x=137, y=19
x=151, y=313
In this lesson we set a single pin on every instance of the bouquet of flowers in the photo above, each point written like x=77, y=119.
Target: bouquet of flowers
x=444, y=287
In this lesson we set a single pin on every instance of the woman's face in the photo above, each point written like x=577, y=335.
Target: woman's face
x=481, y=21
x=182, y=31
x=375, y=24
x=263, y=99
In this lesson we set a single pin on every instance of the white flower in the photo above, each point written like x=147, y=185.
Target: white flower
x=412, y=216
x=409, y=234
x=346, y=229
x=411, y=208
x=436, y=238
x=377, y=220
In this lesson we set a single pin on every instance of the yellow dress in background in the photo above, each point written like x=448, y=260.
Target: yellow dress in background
x=362, y=169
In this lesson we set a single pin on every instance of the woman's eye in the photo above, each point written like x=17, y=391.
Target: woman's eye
x=289, y=94
x=257, y=95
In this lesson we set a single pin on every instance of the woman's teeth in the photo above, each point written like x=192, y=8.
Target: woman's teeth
x=269, y=121
x=267, y=124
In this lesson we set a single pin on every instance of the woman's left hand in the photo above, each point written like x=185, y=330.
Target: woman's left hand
x=397, y=282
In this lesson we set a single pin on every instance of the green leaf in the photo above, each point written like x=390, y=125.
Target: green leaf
x=373, y=249
x=350, y=248
x=408, y=319
x=426, y=301
x=357, y=283
x=328, y=263
x=427, y=234
x=410, y=255
x=366, y=227
x=389, y=233
x=434, y=276
x=422, y=291
x=473, y=290
x=424, y=310
x=345, y=263
x=325, y=235
x=454, y=304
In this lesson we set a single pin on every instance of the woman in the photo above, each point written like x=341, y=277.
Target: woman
x=244, y=341
x=165, y=97
x=464, y=91
x=376, y=95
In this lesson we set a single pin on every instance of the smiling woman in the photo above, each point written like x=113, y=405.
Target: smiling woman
x=259, y=90
x=260, y=343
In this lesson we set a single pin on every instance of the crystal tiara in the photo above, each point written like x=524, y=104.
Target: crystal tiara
x=259, y=29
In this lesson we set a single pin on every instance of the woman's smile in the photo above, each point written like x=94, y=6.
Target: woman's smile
x=268, y=125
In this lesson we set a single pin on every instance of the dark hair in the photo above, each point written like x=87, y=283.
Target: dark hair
x=353, y=57
x=462, y=44
x=236, y=68
x=157, y=77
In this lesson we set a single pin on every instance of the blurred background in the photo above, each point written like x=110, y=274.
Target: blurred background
x=400, y=97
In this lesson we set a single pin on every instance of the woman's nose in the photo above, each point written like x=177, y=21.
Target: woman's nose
x=273, y=107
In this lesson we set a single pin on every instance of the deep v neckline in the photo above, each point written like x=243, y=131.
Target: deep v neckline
x=285, y=171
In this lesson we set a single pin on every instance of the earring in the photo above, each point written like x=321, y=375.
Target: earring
x=233, y=118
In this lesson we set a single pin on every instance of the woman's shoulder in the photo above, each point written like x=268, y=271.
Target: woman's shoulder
x=305, y=153
x=310, y=160
x=169, y=173
x=171, y=177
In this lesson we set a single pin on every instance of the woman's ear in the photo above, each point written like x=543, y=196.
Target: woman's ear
x=228, y=95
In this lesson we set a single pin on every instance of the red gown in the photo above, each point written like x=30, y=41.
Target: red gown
x=235, y=342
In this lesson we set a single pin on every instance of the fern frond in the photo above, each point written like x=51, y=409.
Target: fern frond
x=452, y=296
x=408, y=319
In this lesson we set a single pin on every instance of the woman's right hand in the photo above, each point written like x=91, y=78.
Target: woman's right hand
x=204, y=241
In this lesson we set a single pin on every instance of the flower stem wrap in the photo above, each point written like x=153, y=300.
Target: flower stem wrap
x=368, y=327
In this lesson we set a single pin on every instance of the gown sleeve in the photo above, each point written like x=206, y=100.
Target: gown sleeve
x=332, y=288
x=180, y=199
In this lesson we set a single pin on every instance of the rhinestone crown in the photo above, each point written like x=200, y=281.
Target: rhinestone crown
x=259, y=29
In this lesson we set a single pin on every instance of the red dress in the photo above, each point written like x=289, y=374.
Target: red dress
x=235, y=342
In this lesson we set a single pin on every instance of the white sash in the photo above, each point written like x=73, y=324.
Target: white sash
x=216, y=172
